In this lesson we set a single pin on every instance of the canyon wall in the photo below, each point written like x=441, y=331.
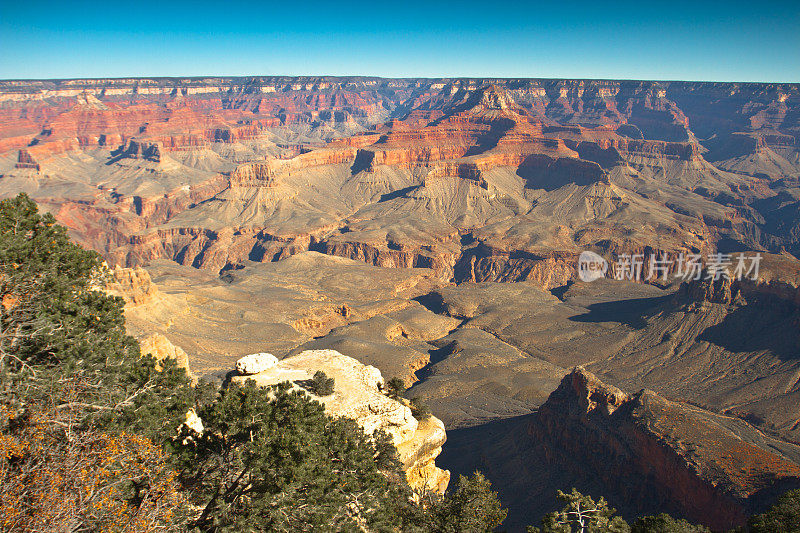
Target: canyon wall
x=478, y=179
x=657, y=454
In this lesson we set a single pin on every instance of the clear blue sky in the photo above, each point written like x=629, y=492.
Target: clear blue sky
x=723, y=41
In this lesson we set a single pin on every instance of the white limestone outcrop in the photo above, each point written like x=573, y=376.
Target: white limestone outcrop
x=255, y=363
x=358, y=395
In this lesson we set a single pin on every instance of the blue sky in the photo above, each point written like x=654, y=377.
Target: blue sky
x=721, y=41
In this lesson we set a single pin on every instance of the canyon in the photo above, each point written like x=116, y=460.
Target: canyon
x=431, y=228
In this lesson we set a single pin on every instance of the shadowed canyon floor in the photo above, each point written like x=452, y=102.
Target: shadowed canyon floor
x=431, y=228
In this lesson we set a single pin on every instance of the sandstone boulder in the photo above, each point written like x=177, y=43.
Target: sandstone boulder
x=255, y=363
x=191, y=427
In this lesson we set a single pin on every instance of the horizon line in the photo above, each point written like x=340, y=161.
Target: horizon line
x=369, y=76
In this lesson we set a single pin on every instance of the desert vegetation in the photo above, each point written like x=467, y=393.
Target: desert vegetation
x=321, y=384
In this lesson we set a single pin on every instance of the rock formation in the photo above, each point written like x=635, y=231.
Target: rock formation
x=643, y=453
x=255, y=363
x=133, y=285
x=661, y=454
x=358, y=395
x=142, y=150
x=161, y=348
x=143, y=299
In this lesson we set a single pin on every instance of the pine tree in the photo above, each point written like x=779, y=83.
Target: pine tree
x=471, y=508
x=62, y=337
x=419, y=409
x=664, y=523
x=582, y=515
x=321, y=384
x=82, y=415
x=271, y=459
x=782, y=517
x=395, y=388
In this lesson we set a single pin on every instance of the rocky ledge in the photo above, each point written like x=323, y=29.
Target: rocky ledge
x=358, y=394
x=652, y=453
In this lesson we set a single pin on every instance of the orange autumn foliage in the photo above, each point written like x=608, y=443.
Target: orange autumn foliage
x=53, y=478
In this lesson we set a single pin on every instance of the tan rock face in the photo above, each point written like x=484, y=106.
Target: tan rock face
x=194, y=422
x=161, y=348
x=142, y=296
x=358, y=395
x=419, y=454
x=133, y=285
